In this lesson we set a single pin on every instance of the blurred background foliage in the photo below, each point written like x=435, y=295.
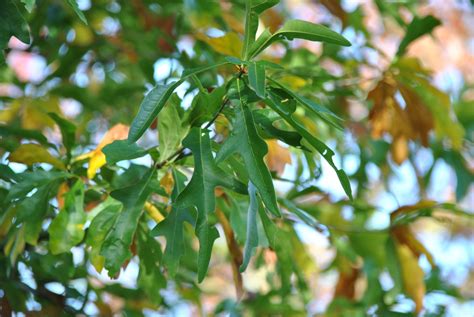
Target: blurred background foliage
x=404, y=90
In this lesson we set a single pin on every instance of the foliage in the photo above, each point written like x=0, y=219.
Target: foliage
x=202, y=154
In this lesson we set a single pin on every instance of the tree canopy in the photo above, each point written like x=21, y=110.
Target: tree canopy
x=235, y=157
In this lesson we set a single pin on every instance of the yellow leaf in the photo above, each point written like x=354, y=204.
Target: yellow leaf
x=96, y=161
x=153, y=212
x=35, y=112
x=229, y=44
x=277, y=156
x=97, y=158
x=412, y=276
x=31, y=153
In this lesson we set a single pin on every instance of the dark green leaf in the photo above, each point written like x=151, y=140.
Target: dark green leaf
x=256, y=73
x=298, y=29
x=417, y=28
x=251, y=241
x=322, y=148
x=250, y=146
x=78, y=11
x=172, y=228
x=200, y=192
x=68, y=131
x=155, y=100
x=12, y=23
x=120, y=150
x=116, y=246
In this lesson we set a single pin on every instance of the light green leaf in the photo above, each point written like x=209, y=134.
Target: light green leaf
x=98, y=229
x=170, y=128
x=67, y=229
x=275, y=103
x=29, y=4
x=256, y=73
x=78, y=11
x=251, y=241
x=252, y=148
x=298, y=29
x=120, y=150
x=417, y=28
x=116, y=246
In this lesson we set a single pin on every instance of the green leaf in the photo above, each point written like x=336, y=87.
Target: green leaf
x=417, y=28
x=275, y=103
x=172, y=228
x=269, y=131
x=150, y=277
x=7, y=130
x=200, y=192
x=68, y=131
x=206, y=234
x=204, y=106
x=78, y=11
x=156, y=99
x=29, y=4
x=32, y=180
x=12, y=23
x=116, y=246
x=120, y=150
x=253, y=8
x=67, y=229
x=280, y=242
x=170, y=128
x=256, y=73
x=325, y=114
x=252, y=148
x=32, y=210
x=251, y=241
x=298, y=29
x=98, y=229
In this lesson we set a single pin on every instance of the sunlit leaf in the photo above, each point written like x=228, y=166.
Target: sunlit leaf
x=67, y=229
x=31, y=153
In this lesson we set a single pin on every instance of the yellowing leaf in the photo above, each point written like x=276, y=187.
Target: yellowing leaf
x=412, y=276
x=229, y=44
x=84, y=35
x=97, y=157
x=277, y=157
x=167, y=182
x=31, y=153
x=33, y=112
